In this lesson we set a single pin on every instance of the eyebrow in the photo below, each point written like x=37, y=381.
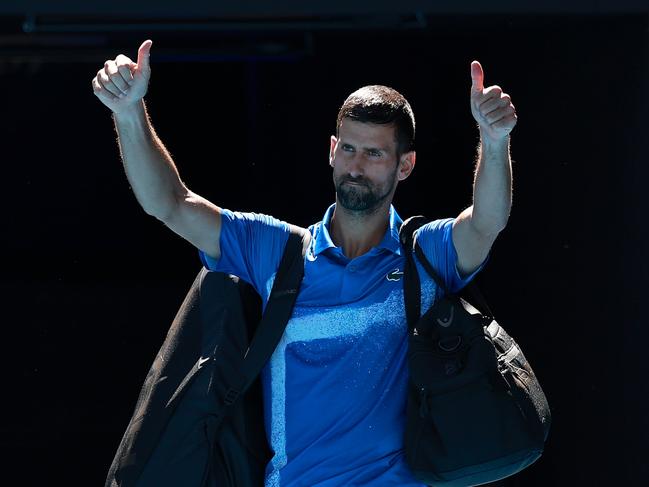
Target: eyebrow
x=380, y=149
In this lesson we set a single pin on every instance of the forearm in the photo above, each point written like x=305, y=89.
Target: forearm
x=149, y=167
x=492, y=187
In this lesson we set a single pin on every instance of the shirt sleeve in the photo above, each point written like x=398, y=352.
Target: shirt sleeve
x=251, y=246
x=436, y=240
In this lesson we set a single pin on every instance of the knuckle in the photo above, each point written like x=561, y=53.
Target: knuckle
x=116, y=81
x=126, y=75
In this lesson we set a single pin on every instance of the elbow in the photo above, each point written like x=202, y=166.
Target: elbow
x=489, y=226
x=160, y=212
x=160, y=216
x=499, y=225
x=163, y=210
x=151, y=210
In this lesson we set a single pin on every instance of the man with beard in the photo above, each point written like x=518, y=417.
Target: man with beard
x=335, y=387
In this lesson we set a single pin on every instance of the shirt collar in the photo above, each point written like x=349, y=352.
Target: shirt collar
x=390, y=241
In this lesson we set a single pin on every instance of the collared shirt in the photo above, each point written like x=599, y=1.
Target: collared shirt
x=335, y=386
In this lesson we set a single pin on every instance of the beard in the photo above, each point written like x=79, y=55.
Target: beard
x=363, y=196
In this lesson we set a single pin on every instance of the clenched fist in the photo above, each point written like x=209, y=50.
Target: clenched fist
x=491, y=108
x=121, y=83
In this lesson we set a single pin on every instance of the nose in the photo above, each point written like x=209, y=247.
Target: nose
x=355, y=166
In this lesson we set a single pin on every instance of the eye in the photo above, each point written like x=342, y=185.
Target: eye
x=374, y=153
x=347, y=148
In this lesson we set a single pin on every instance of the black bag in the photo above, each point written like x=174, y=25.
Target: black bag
x=198, y=421
x=476, y=412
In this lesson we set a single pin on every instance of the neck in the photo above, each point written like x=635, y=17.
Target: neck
x=357, y=233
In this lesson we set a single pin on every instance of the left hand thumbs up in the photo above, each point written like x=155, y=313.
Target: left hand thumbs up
x=491, y=108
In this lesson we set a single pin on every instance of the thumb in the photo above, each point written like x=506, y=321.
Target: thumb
x=143, y=54
x=477, y=77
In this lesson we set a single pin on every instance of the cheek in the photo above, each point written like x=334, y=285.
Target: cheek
x=381, y=171
x=340, y=160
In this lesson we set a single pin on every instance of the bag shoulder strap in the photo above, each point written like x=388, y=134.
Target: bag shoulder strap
x=278, y=310
x=411, y=282
x=412, y=285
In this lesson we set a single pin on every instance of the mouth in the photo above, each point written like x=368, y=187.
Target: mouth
x=354, y=183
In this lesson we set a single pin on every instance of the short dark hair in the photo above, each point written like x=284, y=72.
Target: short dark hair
x=381, y=105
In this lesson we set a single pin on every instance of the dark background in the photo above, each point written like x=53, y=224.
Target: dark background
x=246, y=104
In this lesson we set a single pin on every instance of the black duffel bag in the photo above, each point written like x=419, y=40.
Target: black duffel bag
x=476, y=412
x=198, y=421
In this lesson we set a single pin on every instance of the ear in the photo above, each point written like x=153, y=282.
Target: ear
x=406, y=164
x=332, y=148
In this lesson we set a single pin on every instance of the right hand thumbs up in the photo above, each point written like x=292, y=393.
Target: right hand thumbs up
x=121, y=83
x=143, y=67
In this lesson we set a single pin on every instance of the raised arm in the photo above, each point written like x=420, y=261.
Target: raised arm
x=121, y=85
x=477, y=227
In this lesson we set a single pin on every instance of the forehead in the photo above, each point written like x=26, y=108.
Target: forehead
x=364, y=134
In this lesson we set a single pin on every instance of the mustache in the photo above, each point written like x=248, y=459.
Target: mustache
x=349, y=179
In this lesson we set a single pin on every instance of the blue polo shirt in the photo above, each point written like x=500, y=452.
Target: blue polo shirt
x=335, y=387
